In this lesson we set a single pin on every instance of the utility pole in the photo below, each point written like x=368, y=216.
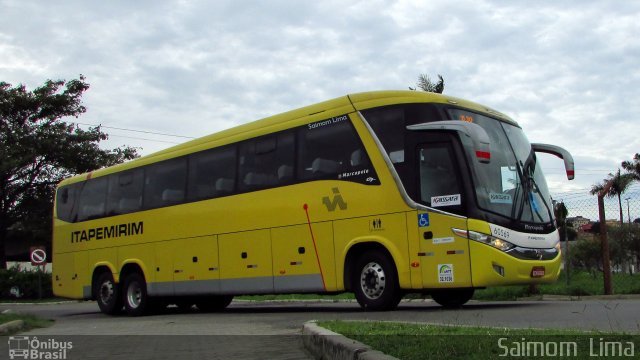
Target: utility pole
x=628, y=213
x=604, y=242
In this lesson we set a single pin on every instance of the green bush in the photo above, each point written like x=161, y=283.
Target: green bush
x=32, y=284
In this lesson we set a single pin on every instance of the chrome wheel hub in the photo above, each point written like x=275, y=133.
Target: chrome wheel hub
x=106, y=292
x=372, y=280
x=134, y=295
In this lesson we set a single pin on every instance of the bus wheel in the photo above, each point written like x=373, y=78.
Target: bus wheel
x=214, y=303
x=452, y=298
x=136, y=301
x=375, y=282
x=107, y=294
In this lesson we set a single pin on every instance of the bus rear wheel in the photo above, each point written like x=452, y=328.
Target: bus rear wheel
x=452, y=298
x=214, y=303
x=375, y=282
x=136, y=300
x=107, y=294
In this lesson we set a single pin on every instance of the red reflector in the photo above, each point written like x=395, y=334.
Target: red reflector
x=483, y=154
x=537, y=271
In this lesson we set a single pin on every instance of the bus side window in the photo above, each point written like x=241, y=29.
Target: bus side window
x=212, y=173
x=388, y=123
x=327, y=152
x=65, y=200
x=125, y=192
x=266, y=161
x=165, y=183
x=93, y=198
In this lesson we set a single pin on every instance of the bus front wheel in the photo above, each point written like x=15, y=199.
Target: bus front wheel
x=107, y=294
x=136, y=300
x=375, y=282
x=452, y=298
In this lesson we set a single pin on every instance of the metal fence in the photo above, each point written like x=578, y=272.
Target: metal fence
x=585, y=258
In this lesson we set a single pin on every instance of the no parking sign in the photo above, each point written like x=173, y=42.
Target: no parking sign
x=38, y=255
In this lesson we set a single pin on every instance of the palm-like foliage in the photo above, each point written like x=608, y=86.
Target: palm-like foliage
x=620, y=183
x=425, y=84
x=633, y=167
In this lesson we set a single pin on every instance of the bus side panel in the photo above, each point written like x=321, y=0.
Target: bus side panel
x=388, y=230
x=82, y=276
x=104, y=256
x=196, y=267
x=414, y=248
x=245, y=262
x=163, y=285
x=295, y=265
x=444, y=256
x=140, y=255
x=64, y=284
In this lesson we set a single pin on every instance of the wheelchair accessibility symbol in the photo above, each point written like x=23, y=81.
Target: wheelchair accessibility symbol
x=423, y=220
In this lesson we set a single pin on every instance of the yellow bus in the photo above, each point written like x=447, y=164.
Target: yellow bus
x=378, y=193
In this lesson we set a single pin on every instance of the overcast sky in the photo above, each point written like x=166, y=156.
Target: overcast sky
x=567, y=71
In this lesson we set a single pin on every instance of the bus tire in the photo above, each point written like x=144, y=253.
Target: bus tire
x=375, y=282
x=452, y=298
x=107, y=294
x=214, y=303
x=135, y=298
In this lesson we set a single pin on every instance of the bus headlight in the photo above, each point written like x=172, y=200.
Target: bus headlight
x=485, y=239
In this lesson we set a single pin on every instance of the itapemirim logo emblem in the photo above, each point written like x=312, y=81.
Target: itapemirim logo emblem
x=32, y=348
x=336, y=202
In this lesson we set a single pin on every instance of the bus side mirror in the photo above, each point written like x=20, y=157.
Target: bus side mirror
x=559, y=152
x=479, y=137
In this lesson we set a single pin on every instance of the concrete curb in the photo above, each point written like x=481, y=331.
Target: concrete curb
x=15, y=325
x=324, y=344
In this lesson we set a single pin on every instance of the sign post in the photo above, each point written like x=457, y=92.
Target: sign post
x=38, y=255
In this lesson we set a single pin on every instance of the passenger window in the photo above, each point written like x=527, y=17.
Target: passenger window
x=93, y=198
x=331, y=149
x=388, y=123
x=266, y=161
x=165, y=183
x=212, y=173
x=65, y=199
x=125, y=192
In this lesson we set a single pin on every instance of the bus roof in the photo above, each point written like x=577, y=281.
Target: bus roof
x=341, y=105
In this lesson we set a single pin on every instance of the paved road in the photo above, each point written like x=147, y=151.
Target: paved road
x=271, y=328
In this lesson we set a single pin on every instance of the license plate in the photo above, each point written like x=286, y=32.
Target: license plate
x=537, y=271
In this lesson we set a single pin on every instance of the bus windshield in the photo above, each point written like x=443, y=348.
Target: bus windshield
x=512, y=184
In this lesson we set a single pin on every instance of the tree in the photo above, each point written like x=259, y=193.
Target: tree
x=620, y=183
x=38, y=149
x=425, y=84
x=633, y=167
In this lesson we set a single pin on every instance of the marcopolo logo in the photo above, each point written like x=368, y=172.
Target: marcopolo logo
x=32, y=348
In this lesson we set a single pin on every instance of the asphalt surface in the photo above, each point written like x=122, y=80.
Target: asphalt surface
x=258, y=330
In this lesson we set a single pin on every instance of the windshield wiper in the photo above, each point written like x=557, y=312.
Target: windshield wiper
x=530, y=185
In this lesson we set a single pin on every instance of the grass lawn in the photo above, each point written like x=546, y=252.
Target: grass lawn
x=581, y=283
x=422, y=341
x=30, y=321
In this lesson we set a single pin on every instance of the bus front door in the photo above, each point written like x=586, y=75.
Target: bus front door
x=444, y=255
